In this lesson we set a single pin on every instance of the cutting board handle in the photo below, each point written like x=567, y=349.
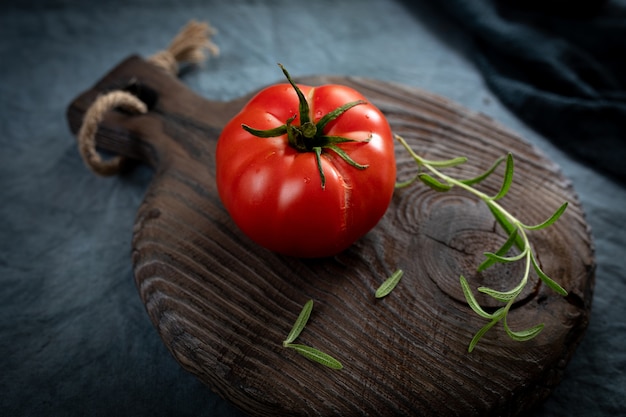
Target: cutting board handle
x=176, y=123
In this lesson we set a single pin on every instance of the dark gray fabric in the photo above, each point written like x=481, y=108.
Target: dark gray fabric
x=559, y=66
x=74, y=337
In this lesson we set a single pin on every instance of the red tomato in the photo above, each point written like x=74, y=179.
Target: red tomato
x=311, y=185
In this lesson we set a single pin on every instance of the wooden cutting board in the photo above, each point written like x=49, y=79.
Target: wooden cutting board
x=223, y=305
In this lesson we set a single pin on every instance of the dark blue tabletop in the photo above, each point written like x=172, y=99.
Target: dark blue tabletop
x=75, y=339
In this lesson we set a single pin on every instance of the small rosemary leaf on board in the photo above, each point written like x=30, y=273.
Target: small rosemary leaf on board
x=301, y=321
x=500, y=252
x=471, y=300
x=547, y=280
x=484, y=175
x=389, y=284
x=481, y=333
x=508, y=178
x=505, y=224
x=523, y=335
x=433, y=183
x=505, y=259
x=316, y=355
x=448, y=163
x=403, y=184
x=503, y=296
x=551, y=220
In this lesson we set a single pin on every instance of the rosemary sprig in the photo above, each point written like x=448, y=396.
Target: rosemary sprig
x=515, y=229
x=308, y=351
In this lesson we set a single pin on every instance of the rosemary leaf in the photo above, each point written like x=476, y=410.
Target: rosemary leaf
x=316, y=355
x=503, y=296
x=484, y=175
x=505, y=224
x=546, y=279
x=433, y=183
x=471, y=301
x=448, y=163
x=408, y=182
x=551, y=220
x=481, y=333
x=505, y=259
x=389, y=284
x=500, y=252
x=301, y=321
x=523, y=335
x=508, y=178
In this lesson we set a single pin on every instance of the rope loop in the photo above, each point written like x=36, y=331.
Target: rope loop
x=87, y=133
x=187, y=46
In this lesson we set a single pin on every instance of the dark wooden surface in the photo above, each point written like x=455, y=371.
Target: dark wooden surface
x=223, y=305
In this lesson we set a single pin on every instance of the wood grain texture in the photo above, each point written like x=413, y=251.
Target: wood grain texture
x=223, y=305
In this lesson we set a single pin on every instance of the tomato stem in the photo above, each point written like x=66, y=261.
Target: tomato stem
x=318, y=159
x=309, y=136
x=309, y=130
x=304, y=105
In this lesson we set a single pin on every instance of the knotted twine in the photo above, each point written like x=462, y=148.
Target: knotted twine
x=188, y=46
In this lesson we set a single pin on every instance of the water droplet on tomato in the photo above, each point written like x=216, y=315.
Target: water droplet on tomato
x=307, y=180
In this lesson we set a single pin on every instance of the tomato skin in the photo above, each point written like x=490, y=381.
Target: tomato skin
x=274, y=192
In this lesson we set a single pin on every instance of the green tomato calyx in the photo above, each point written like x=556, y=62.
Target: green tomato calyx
x=309, y=136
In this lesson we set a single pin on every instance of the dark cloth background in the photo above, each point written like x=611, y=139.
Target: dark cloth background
x=560, y=66
x=74, y=337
